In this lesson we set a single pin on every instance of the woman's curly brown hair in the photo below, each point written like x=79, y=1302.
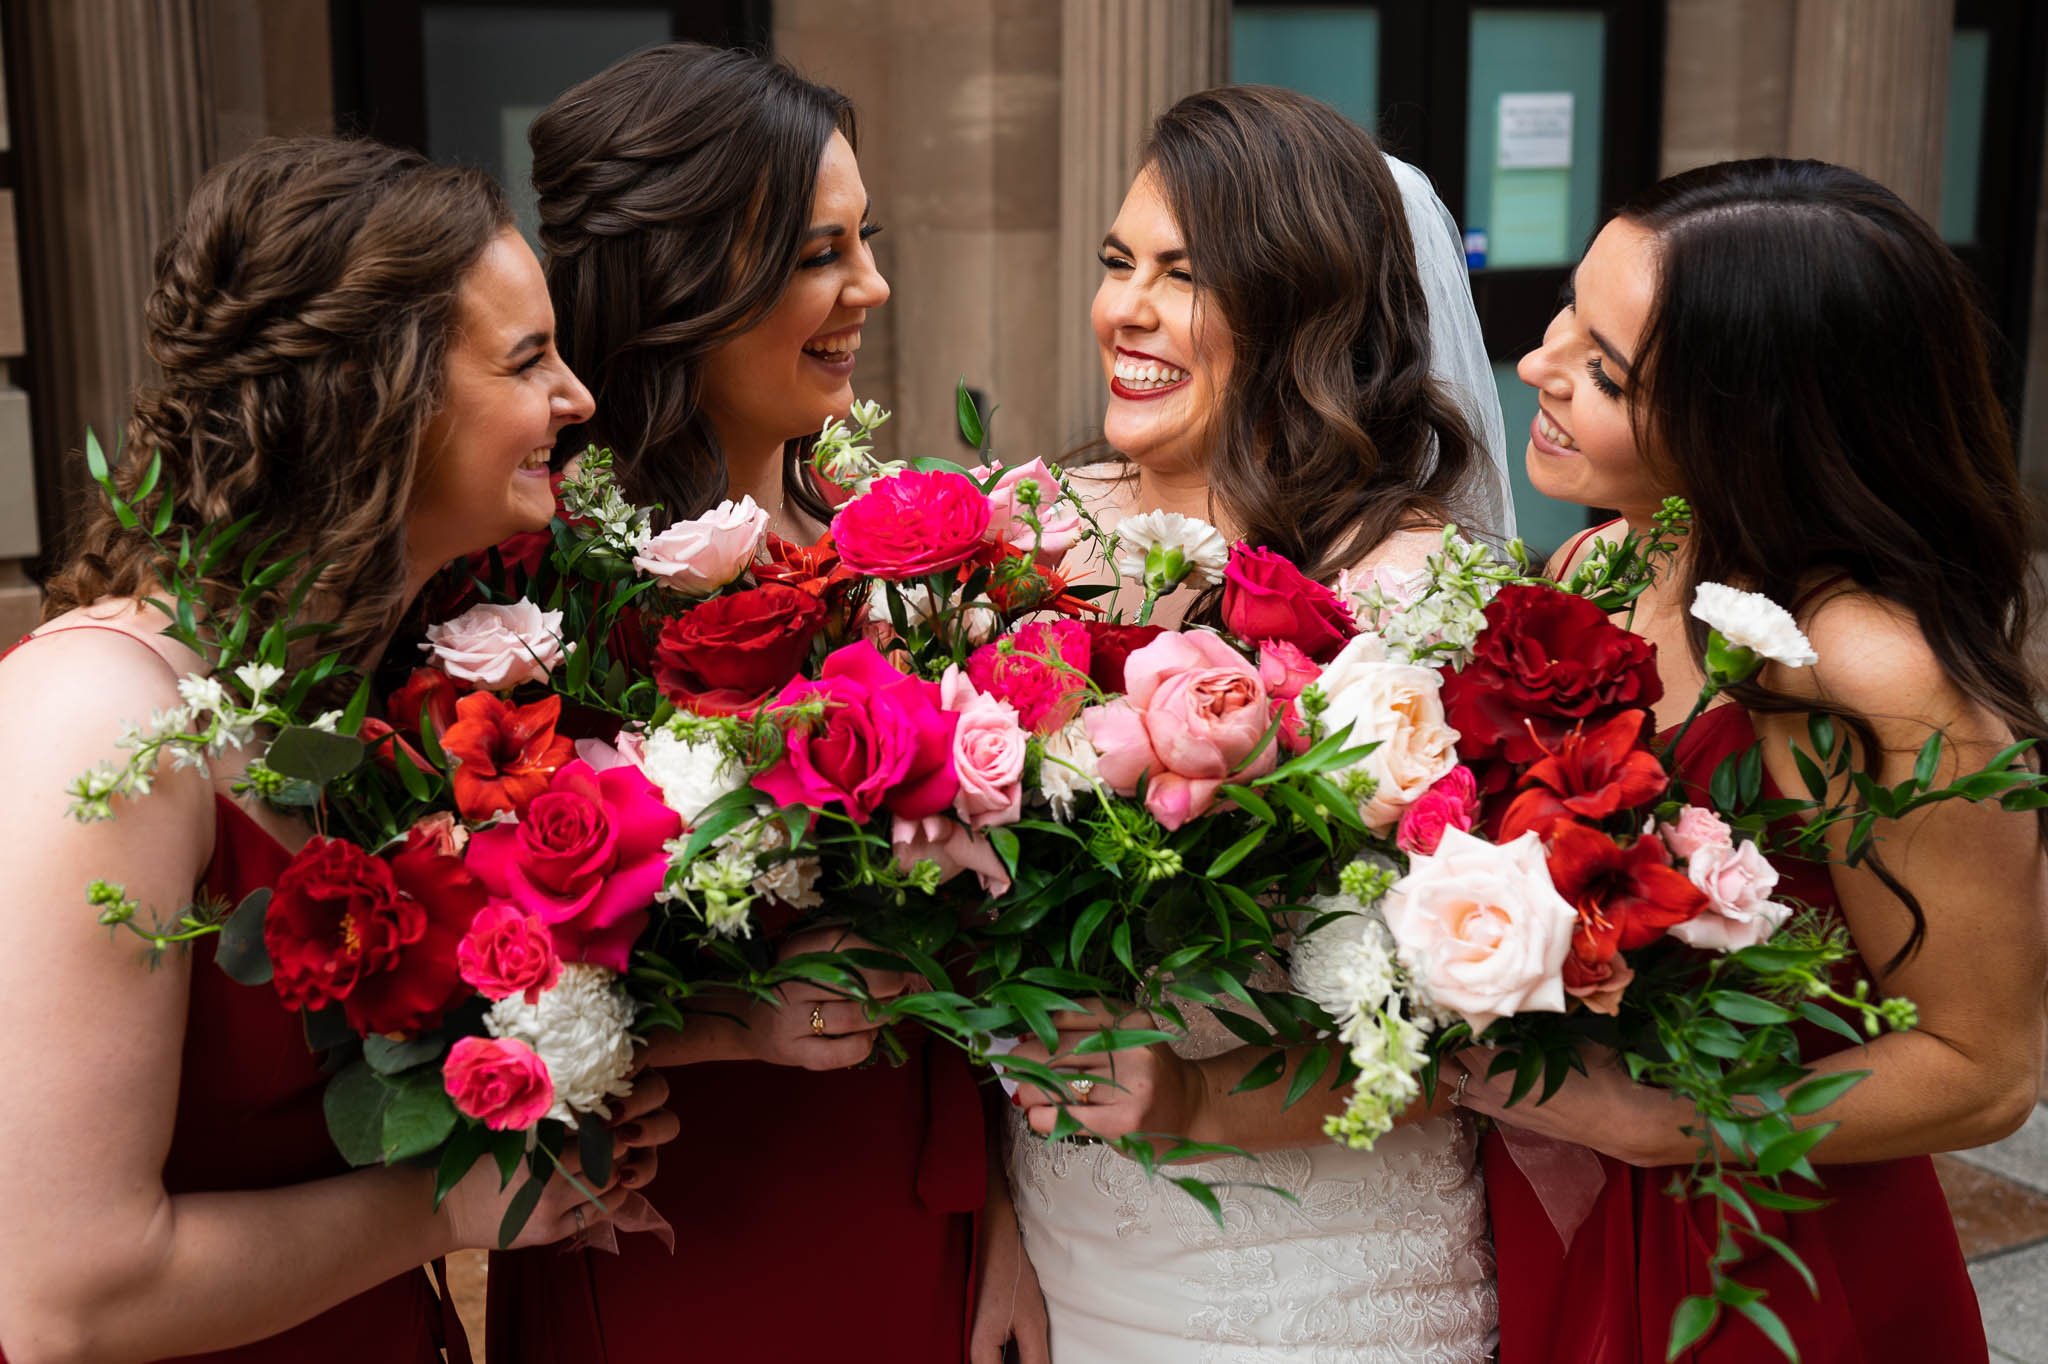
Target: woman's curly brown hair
x=302, y=317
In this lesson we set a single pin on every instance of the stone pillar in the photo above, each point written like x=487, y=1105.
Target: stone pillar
x=1727, y=80
x=1121, y=63
x=1870, y=90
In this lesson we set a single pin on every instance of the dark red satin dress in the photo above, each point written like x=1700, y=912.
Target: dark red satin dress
x=1893, y=1287
x=825, y=1216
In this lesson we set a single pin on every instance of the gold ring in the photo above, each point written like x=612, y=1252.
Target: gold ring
x=817, y=1020
x=1464, y=1078
x=1082, y=1089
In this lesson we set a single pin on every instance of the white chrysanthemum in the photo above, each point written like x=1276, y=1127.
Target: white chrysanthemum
x=1146, y=542
x=581, y=1031
x=692, y=772
x=981, y=621
x=1749, y=620
x=1067, y=769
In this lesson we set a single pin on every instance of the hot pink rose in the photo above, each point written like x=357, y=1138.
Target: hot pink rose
x=498, y=647
x=507, y=952
x=989, y=748
x=1021, y=669
x=1059, y=521
x=911, y=524
x=587, y=858
x=1451, y=802
x=1192, y=712
x=499, y=1081
x=699, y=556
x=953, y=846
x=1740, y=913
x=1694, y=829
x=883, y=741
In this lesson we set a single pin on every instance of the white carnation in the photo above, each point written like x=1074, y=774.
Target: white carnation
x=1144, y=542
x=1749, y=620
x=1067, y=769
x=580, y=1030
x=691, y=772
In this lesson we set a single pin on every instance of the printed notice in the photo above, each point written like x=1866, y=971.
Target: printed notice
x=1535, y=132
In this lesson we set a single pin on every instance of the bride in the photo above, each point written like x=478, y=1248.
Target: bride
x=1302, y=369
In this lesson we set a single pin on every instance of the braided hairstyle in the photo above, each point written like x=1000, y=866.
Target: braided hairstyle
x=675, y=188
x=301, y=318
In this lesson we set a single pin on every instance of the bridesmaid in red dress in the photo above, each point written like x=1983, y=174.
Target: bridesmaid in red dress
x=357, y=352
x=1789, y=348
x=706, y=235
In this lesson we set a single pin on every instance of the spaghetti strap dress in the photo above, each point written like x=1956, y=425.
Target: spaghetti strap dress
x=1893, y=1285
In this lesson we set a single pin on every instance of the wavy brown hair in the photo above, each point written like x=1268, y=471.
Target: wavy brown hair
x=1814, y=377
x=675, y=190
x=1331, y=434
x=301, y=321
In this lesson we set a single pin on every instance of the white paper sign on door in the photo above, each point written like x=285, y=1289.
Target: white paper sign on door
x=1535, y=132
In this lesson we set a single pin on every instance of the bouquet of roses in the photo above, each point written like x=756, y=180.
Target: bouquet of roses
x=1561, y=886
x=454, y=932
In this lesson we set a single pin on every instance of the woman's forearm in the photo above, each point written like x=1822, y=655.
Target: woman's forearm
x=1261, y=1119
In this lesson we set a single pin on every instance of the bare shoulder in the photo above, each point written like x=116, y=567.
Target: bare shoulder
x=83, y=678
x=1405, y=551
x=1874, y=659
x=1576, y=550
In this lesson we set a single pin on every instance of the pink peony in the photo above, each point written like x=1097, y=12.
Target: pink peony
x=587, y=858
x=953, y=846
x=1451, y=802
x=498, y=647
x=507, y=952
x=1740, y=913
x=1059, y=520
x=1694, y=829
x=1192, y=712
x=699, y=556
x=499, y=1081
x=1040, y=668
x=911, y=524
x=989, y=748
x=883, y=741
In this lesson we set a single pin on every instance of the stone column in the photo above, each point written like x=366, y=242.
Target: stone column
x=1870, y=90
x=1121, y=63
x=1727, y=80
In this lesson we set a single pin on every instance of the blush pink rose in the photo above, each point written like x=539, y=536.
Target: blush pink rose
x=1059, y=520
x=1192, y=713
x=911, y=524
x=1040, y=668
x=1694, y=829
x=699, y=556
x=989, y=748
x=1481, y=928
x=498, y=647
x=507, y=952
x=1451, y=802
x=1740, y=913
x=628, y=749
x=883, y=741
x=499, y=1081
x=586, y=858
x=953, y=846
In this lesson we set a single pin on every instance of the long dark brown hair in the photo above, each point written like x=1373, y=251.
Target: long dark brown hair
x=1816, y=377
x=1331, y=434
x=675, y=189
x=301, y=319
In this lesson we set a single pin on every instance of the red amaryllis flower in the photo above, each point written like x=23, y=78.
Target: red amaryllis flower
x=427, y=690
x=1589, y=776
x=1110, y=645
x=504, y=753
x=1546, y=661
x=1632, y=893
x=727, y=655
x=377, y=936
x=815, y=569
x=1266, y=597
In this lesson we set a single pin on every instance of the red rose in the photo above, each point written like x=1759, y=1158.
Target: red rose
x=1590, y=776
x=1546, y=661
x=730, y=653
x=1110, y=645
x=376, y=936
x=427, y=690
x=1633, y=894
x=504, y=754
x=1266, y=597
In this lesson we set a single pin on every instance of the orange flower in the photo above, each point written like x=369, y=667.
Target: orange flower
x=505, y=754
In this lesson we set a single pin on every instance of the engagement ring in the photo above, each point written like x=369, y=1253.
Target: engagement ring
x=817, y=1020
x=1082, y=1089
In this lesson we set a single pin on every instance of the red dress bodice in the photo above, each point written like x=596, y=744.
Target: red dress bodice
x=1893, y=1285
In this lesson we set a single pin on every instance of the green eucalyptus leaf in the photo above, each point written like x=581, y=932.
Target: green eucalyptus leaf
x=241, y=952
x=313, y=755
x=387, y=1057
x=355, y=1103
x=419, y=1117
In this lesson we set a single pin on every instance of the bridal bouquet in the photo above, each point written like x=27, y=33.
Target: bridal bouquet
x=1559, y=884
x=454, y=932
